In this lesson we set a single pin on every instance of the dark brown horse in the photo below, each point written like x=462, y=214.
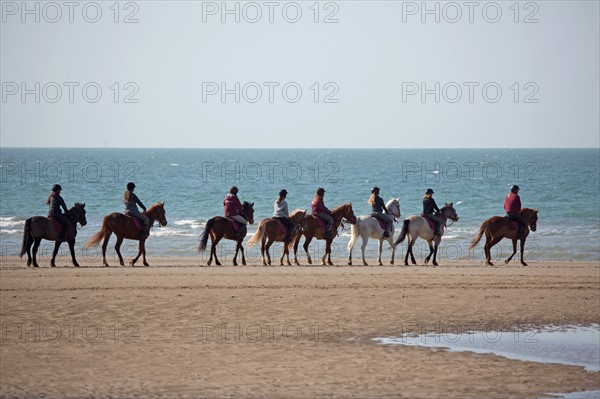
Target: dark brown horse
x=496, y=228
x=39, y=227
x=268, y=231
x=312, y=230
x=124, y=227
x=219, y=228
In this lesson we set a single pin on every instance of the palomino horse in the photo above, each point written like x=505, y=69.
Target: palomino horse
x=39, y=227
x=219, y=228
x=417, y=226
x=496, y=228
x=313, y=229
x=268, y=231
x=367, y=227
x=125, y=227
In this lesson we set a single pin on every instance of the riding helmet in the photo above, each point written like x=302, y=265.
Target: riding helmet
x=130, y=186
x=429, y=191
x=320, y=191
x=283, y=192
x=56, y=188
x=233, y=190
x=514, y=188
x=375, y=190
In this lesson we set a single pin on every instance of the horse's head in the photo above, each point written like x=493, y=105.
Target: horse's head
x=158, y=213
x=248, y=211
x=349, y=213
x=532, y=216
x=393, y=206
x=79, y=213
x=449, y=212
x=298, y=218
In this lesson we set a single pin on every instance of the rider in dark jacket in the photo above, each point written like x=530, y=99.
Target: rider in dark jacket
x=377, y=211
x=512, y=206
x=55, y=203
x=429, y=209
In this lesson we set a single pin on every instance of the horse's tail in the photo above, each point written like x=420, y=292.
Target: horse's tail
x=26, y=237
x=96, y=238
x=479, y=234
x=205, y=234
x=260, y=233
x=354, y=234
x=403, y=232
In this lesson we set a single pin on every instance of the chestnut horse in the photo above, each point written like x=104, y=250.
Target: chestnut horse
x=124, y=227
x=312, y=230
x=417, y=226
x=268, y=231
x=219, y=228
x=498, y=227
x=39, y=227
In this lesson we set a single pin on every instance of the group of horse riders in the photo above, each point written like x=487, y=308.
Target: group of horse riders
x=233, y=209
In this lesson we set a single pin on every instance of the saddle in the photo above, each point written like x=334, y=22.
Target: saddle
x=381, y=223
x=282, y=227
x=513, y=223
x=58, y=227
x=234, y=224
x=431, y=222
x=321, y=223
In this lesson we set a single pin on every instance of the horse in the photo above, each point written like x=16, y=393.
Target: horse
x=313, y=229
x=417, y=226
x=497, y=227
x=124, y=226
x=39, y=227
x=269, y=230
x=367, y=227
x=219, y=228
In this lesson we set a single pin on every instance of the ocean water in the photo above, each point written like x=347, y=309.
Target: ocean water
x=562, y=183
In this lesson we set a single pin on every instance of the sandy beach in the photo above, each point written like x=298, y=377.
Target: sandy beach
x=176, y=329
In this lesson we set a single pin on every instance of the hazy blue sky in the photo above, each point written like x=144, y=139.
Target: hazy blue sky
x=361, y=75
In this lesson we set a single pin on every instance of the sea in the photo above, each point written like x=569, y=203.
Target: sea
x=563, y=184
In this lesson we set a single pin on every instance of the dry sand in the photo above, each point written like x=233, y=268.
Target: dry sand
x=179, y=330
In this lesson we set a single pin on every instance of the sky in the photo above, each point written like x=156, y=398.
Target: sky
x=342, y=74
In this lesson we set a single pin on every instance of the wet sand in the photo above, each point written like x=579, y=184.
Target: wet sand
x=176, y=329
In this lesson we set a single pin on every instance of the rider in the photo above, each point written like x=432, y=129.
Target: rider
x=377, y=210
x=234, y=209
x=319, y=209
x=55, y=203
x=429, y=207
x=281, y=213
x=131, y=202
x=512, y=206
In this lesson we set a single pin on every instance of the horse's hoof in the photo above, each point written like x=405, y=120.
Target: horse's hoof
x=219, y=264
x=243, y=263
x=28, y=263
x=146, y=264
x=391, y=262
x=350, y=263
x=489, y=264
x=380, y=264
x=524, y=264
x=506, y=262
x=34, y=265
x=76, y=264
x=234, y=263
x=309, y=262
x=52, y=264
x=106, y=264
x=330, y=263
x=434, y=263
x=122, y=263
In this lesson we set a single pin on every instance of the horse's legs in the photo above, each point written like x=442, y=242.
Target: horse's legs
x=350, y=247
x=430, y=252
x=305, y=246
x=36, y=245
x=365, y=240
x=514, y=243
x=140, y=250
x=104, y=245
x=380, y=249
x=435, y=250
x=296, y=242
x=118, y=250
x=487, y=248
x=522, y=249
x=213, y=251
x=409, y=246
x=144, y=253
x=28, y=244
x=263, y=243
x=328, y=252
x=391, y=242
x=56, y=247
x=242, y=251
x=72, y=249
x=286, y=251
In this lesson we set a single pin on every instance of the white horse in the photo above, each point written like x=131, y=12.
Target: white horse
x=367, y=226
x=417, y=226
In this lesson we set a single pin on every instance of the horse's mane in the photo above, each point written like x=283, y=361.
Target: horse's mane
x=295, y=212
x=341, y=206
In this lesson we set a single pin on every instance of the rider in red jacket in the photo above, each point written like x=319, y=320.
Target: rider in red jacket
x=512, y=206
x=233, y=208
x=319, y=209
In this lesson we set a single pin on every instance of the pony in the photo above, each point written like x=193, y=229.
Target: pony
x=39, y=227
x=313, y=229
x=497, y=227
x=124, y=226
x=367, y=227
x=417, y=226
x=268, y=231
x=219, y=228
